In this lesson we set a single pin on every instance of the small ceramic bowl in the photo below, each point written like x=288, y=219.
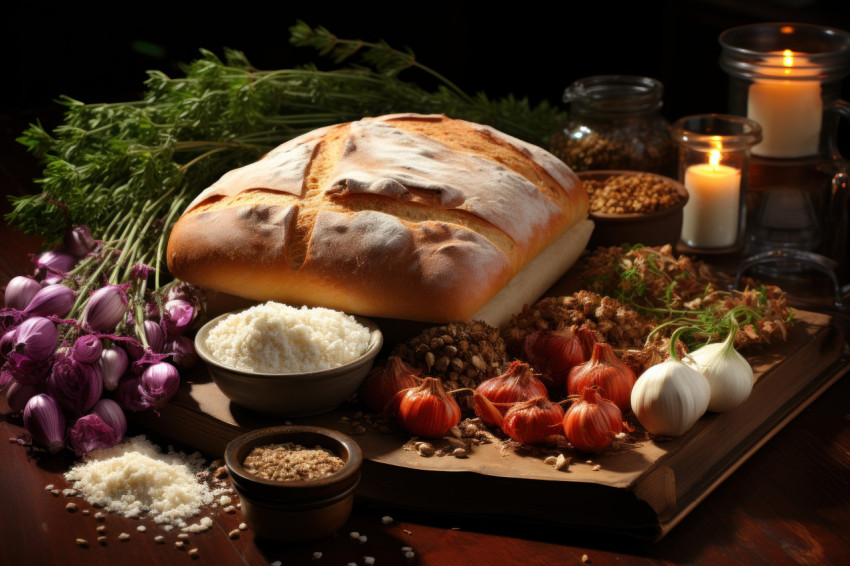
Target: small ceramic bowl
x=290, y=394
x=648, y=228
x=295, y=510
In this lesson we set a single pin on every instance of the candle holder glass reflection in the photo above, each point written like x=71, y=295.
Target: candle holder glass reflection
x=787, y=77
x=714, y=152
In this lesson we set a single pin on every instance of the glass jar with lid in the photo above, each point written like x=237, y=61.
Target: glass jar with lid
x=615, y=122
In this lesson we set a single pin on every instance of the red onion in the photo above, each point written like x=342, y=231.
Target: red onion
x=75, y=386
x=518, y=383
x=155, y=336
x=105, y=309
x=91, y=433
x=113, y=364
x=7, y=342
x=57, y=300
x=604, y=370
x=178, y=316
x=427, y=410
x=112, y=414
x=36, y=338
x=55, y=263
x=182, y=351
x=158, y=384
x=18, y=394
x=78, y=241
x=553, y=354
x=44, y=420
x=129, y=394
x=24, y=369
x=535, y=421
x=87, y=349
x=592, y=422
x=19, y=292
x=386, y=380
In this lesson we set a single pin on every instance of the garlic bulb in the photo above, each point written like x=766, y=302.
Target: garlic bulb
x=729, y=375
x=670, y=397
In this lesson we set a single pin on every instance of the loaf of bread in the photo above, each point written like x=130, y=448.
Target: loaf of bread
x=416, y=217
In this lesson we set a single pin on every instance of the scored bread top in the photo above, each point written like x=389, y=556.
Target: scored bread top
x=403, y=216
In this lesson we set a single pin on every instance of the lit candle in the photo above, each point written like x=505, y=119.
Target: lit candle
x=789, y=110
x=711, y=214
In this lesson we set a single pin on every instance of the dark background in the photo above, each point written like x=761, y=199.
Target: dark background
x=529, y=49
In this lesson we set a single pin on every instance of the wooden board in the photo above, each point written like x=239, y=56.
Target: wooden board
x=650, y=484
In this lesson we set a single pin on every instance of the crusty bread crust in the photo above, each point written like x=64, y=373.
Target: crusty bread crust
x=401, y=216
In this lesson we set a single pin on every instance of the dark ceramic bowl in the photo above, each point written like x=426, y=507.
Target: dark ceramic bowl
x=648, y=228
x=295, y=510
x=290, y=394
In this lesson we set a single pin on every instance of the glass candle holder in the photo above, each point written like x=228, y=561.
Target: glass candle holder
x=714, y=153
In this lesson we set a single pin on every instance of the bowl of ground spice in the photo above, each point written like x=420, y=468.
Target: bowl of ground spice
x=295, y=483
x=634, y=207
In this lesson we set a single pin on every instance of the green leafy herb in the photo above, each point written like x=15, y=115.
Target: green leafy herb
x=127, y=170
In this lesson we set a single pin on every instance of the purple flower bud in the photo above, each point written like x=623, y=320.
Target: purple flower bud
x=19, y=292
x=129, y=395
x=36, y=338
x=140, y=271
x=182, y=351
x=159, y=383
x=105, y=309
x=75, y=386
x=18, y=394
x=44, y=420
x=113, y=364
x=152, y=311
x=54, y=263
x=155, y=335
x=87, y=349
x=57, y=300
x=91, y=433
x=112, y=414
x=78, y=241
x=178, y=316
x=186, y=292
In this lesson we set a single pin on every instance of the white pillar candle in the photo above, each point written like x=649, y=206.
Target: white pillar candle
x=790, y=111
x=711, y=213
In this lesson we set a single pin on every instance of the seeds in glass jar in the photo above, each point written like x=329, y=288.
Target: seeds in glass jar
x=292, y=462
x=623, y=194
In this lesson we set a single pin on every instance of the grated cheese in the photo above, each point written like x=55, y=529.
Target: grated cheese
x=277, y=338
x=136, y=478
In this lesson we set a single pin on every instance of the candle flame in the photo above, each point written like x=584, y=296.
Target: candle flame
x=788, y=58
x=714, y=158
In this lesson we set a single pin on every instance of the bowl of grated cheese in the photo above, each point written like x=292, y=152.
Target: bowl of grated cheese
x=288, y=361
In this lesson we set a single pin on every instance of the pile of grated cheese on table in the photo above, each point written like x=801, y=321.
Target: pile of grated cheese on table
x=136, y=478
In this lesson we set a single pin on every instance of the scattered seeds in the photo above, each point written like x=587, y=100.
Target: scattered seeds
x=183, y=536
x=424, y=449
x=234, y=534
x=229, y=509
x=386, y=520
x=597, y=467
x=159, y=539
x=409, y=555
x=82, y=542
x=99, y=516
x=123, y=537
x=179, y=544
x=363, y=538
x=585, y=558
x=55, y=492
x=406, y=549
x=243, y=527
x=354, y=534
x=562, y=463
x=49, y=487
x=86, y=512
x=460, y=453
x=102, y=540
x=101, y=529
x=141, y=528
x=71, y=507
x=317, y=555
x=369, y=560
x=194, y=553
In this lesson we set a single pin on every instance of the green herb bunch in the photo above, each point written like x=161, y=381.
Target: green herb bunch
x=127, y=170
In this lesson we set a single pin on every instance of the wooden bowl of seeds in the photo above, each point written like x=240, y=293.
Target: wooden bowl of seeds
x=295, y=483
x=634, y=207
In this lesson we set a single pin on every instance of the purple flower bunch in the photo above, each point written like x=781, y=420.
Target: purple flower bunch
x=74, y=359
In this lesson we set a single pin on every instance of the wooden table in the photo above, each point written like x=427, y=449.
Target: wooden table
x=788, y=504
